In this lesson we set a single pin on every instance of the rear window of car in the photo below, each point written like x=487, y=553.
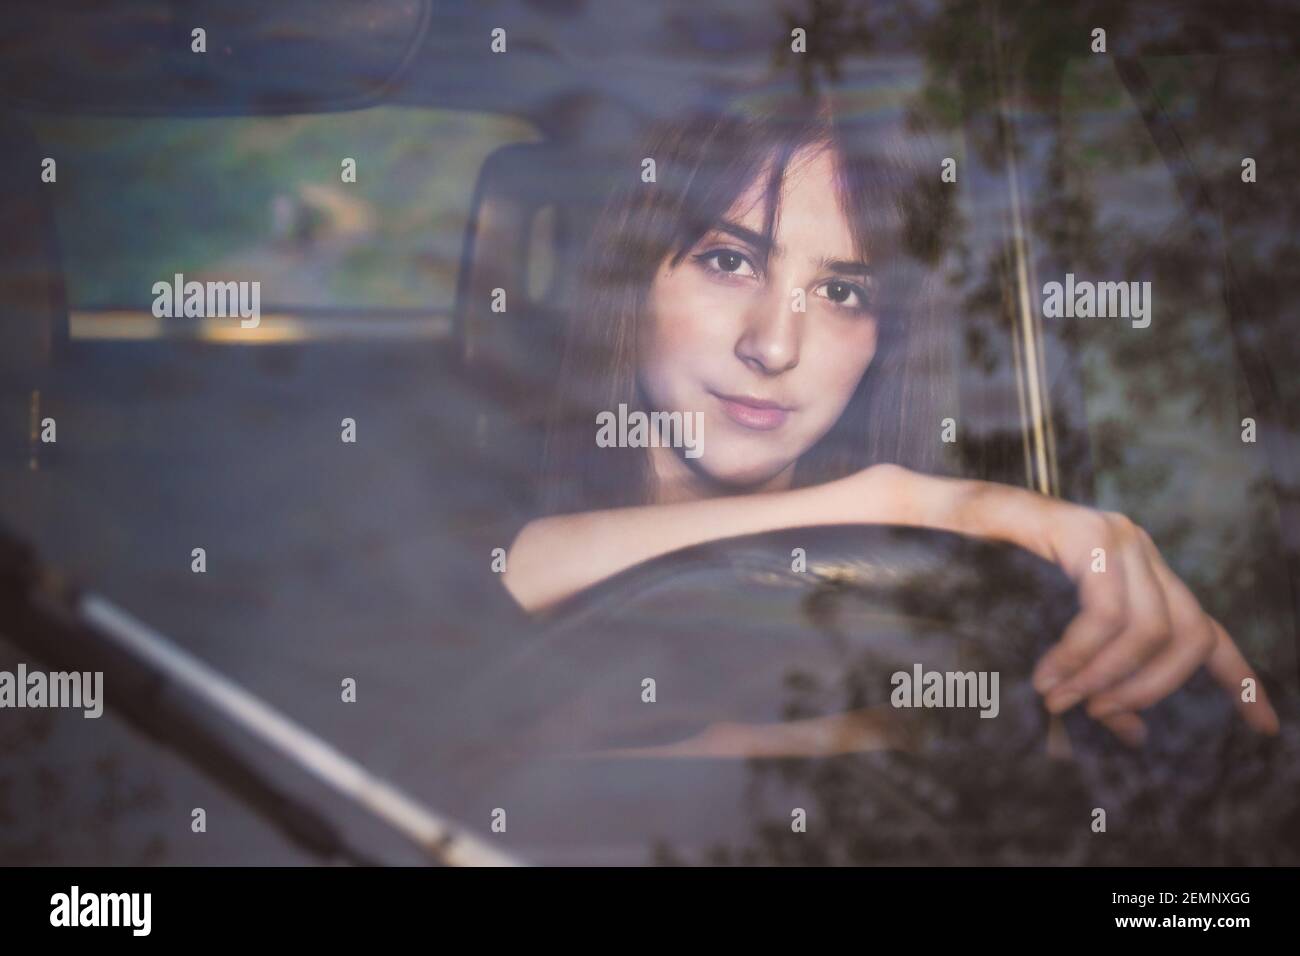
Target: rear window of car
x=271, y=199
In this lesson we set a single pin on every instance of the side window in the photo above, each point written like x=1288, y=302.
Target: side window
x=354, y=216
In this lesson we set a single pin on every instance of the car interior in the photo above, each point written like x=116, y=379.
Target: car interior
x=478, y=171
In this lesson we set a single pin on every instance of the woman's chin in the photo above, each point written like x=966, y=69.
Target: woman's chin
x=738, y=476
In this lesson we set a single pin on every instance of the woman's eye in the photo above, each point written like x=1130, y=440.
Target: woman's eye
x=727, y=261
x=843, y=293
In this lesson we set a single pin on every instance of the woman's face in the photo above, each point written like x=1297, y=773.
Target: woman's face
x=724, y=334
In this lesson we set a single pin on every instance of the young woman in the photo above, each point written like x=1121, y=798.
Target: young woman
x=772, y=279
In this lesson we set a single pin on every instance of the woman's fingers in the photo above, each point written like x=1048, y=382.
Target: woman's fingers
x=1167, y=674
x=1139, y=634
x=1229, y=668
x=1192, y=641
x=1197, y=638
x=1103, y=613
x=1145, y=635
x=1152, y=683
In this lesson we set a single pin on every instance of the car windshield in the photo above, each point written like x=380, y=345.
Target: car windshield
x=307, y=495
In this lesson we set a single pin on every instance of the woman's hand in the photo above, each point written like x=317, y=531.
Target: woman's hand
x=1139, y=634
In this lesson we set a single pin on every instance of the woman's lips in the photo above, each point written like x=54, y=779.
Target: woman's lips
x=756, y=413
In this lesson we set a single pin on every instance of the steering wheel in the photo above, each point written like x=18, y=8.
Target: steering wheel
x=792, y=625
x=745, y=638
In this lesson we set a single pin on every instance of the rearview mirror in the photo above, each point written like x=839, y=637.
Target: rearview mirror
x=206, y=56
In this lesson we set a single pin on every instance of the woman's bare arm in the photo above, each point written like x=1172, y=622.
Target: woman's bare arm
x=1139, y=634
x=555, y=557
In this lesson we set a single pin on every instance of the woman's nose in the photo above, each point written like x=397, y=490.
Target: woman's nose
x=769, y=342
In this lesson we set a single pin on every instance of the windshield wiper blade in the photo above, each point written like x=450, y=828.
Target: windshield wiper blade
x=324, y=800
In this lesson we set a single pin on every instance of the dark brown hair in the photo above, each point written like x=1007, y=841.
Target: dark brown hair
x=893, y=201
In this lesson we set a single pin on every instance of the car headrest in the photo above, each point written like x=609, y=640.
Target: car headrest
x=533, y=210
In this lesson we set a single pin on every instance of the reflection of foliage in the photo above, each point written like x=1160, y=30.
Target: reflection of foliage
x=1161, y=423
x=1161, y=429
x=836, y=28
x=986, y=793
x=963, y=805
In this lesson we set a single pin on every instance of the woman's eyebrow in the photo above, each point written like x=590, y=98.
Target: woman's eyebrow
x=844, y=266
x=760, y=242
